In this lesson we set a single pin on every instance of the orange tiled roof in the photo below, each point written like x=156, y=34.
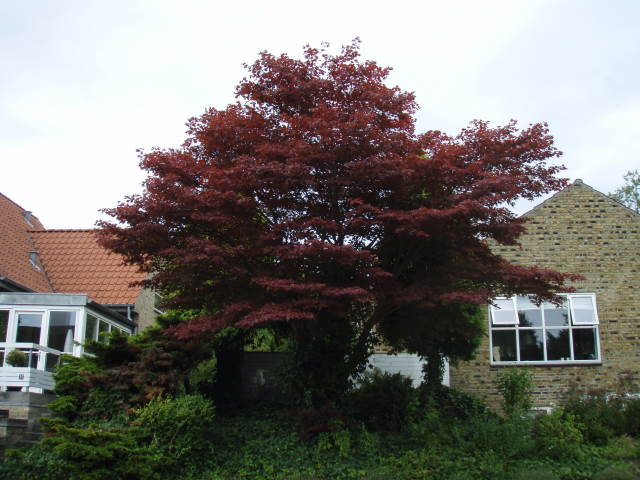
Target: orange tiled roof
x=15, y=245
x=75, y=263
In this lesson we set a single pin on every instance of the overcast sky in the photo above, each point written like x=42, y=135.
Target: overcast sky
x=85, y=83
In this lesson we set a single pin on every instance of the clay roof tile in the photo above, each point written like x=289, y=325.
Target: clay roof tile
x=16, y=245
x=75, y=262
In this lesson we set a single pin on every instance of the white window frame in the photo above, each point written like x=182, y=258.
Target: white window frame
x=111, y=325
x=571, y=327
x=157, y=298
x=79, y=331
x=12, y=332
x=41, y=344
x=594, y=308
x=494, y=309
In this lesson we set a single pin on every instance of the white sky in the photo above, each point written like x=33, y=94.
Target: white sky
x=85, y=83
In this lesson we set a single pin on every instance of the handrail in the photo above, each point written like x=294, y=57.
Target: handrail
x=31, y=346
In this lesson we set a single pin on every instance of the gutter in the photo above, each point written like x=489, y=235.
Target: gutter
x=6, y=282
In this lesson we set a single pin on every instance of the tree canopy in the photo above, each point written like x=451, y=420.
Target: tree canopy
x=629, y=193
x=313, y=202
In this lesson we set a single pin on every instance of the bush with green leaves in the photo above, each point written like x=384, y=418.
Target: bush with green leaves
x=509, y=438
x=91, y=452
x=537, y=475
x=160, y=437
x=34, y=462
x=632, y=416
x=454, y=403
x=177, y=426
x=383, y=401
x=558, y=434
x=17, y=358
x=516, y=386
x=615, y=473
x=265, y=445
x=80, y=396
x=604, y=415
x=202, y=377
x=128, y=371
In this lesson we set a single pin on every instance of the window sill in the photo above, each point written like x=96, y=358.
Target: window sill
x=564, y=363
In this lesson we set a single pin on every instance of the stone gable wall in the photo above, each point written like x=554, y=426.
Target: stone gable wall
x=145, y=308
x=579, y=230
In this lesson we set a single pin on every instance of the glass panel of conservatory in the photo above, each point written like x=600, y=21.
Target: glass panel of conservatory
x=62, y=327
x=103, y=329
x=4, y=321
x=531, y=345
x=33, y=356
x=558, y=347
x=29, y=325
x=504, y=345
x=585, y=346
x=52, y=361
x=91, y=332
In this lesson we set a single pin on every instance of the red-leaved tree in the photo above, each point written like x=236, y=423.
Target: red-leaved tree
x=312, y=202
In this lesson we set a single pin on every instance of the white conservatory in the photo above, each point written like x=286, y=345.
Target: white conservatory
x=43, y=326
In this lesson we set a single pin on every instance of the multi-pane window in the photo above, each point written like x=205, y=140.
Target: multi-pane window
x=97, y=329
x=29, y=327
x=522, y=331
x=62, y=326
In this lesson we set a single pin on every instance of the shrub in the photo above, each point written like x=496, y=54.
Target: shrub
x=516, y=387
x=536, y=475
x=34, y=462
x=202, y=377
x=632, y=416
x=511, y=438
x=383, y=402
x=98, y=453
x=177, y=426
x=17, y=358
x=315, y=421
x=453, y=403
x=337, y=439
x=615, y=473
x=604, y=416
x=622, y=448
x=558, y=434
x=74, y=378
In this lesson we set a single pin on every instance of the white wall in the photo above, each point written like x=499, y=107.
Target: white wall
x=409, y=365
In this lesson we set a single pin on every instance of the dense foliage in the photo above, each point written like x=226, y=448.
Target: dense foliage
x=312, y=202
x=133, y=409
x=124, y=373
x=605, y=415
x=439, y=435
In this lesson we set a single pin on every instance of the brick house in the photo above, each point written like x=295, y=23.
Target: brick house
x=592, y=340
x=58, y=288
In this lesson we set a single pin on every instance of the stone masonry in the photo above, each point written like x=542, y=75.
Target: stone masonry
x=578, y=230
